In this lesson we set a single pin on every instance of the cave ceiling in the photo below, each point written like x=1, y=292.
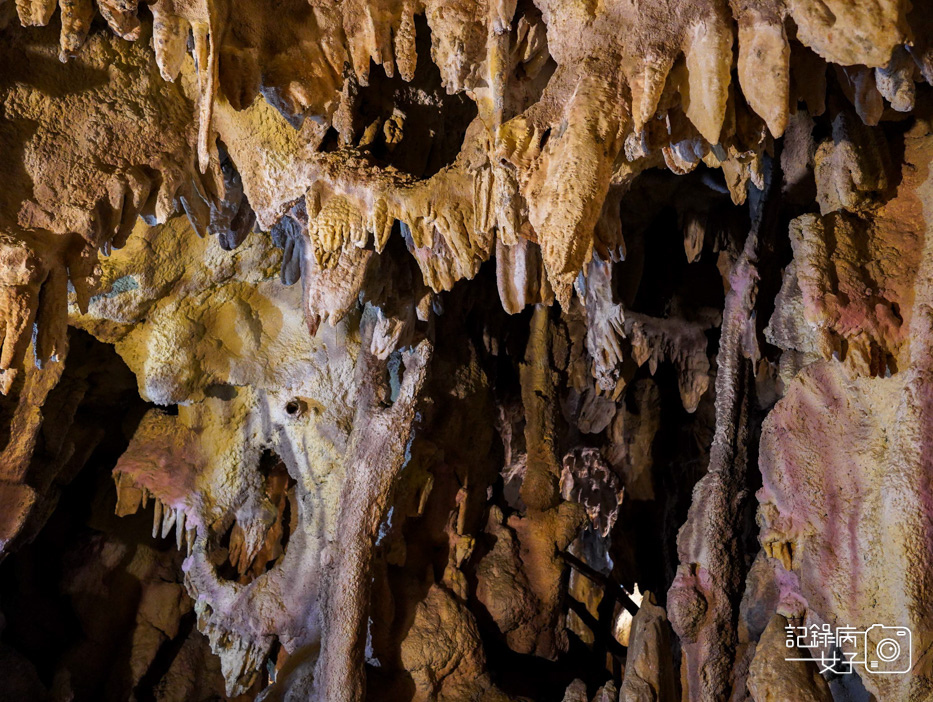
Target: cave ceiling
x=570, y=350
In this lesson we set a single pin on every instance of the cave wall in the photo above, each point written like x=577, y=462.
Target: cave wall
x=416, y=350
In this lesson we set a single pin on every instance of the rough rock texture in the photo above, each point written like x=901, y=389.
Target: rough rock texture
x=871, y=477
x=248, y=408
x=389, y=349
x=649, y=673
x=774, y=677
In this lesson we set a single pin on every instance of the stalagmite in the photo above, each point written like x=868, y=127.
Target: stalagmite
x=703, y=594
x=378, y=454
x=439, y=332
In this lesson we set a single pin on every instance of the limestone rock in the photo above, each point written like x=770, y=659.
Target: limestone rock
x=774, y=677
x=649, y=673
x=274, y=275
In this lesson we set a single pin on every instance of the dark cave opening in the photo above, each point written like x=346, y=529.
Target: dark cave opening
x=416, y=126
x=71, y=597
x=278, y=495
x=92, y=607
x=644, y=539
x=656, y=279
x=712, y=416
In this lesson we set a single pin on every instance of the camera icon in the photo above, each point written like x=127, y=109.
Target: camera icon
x=887, y=649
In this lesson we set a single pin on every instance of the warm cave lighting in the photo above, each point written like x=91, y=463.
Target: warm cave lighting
x=461, y=351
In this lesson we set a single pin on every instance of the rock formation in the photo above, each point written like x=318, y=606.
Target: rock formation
x=391, y=349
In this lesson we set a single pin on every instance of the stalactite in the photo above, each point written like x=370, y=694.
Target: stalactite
x=704, y=595
x=407, y=349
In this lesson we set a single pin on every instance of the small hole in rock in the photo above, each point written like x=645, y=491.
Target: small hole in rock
x=295, y=407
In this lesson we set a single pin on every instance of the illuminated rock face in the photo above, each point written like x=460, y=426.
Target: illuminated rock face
x=428, y=335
